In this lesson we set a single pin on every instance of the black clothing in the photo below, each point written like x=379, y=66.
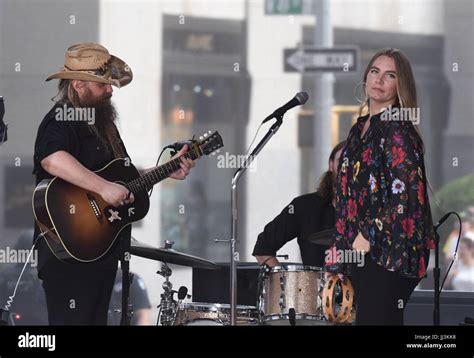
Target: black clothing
x=89, y=285
x=305, y=215
x=381, y=295
x=78, y=297
x=77, y=139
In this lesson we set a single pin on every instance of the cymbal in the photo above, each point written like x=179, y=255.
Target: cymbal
x=325, y=237
x=169, y=256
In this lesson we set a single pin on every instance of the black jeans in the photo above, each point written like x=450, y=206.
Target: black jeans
x=78, y=294
x=381, y=295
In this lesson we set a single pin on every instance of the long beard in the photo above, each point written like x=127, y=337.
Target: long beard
x=105, y=116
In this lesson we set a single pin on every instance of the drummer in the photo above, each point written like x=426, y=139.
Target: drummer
x=305, y=215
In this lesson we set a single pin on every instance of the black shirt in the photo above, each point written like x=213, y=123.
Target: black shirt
x=305, y=215
x=76, y=138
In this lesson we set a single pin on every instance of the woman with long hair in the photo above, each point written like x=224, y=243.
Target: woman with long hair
x=382, y=207
x=305, y=215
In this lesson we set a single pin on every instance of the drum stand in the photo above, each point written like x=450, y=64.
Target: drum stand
x=167, y=307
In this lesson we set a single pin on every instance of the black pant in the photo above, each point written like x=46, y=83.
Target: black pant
x=78, y=294
x=381, y=295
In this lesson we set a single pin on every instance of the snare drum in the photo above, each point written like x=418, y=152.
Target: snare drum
x=213, y=314
x=292, y=288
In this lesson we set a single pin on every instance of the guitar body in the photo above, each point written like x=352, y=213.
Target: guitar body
x=78, y=225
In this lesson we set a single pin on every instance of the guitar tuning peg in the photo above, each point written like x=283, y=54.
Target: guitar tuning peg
x=205, y=135
x=209, y=132
x=218, y=151
x=200, y=138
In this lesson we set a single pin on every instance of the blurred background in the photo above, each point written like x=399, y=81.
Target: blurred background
x=224, y=65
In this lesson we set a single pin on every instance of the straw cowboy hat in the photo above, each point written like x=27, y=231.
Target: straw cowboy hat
x=92, y=62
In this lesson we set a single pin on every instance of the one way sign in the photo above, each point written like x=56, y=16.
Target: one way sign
x=321, y=59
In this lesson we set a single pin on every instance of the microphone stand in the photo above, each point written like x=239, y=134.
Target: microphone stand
x=436, y=269
x=233, y=241
x=436, y=275
x=127, y=310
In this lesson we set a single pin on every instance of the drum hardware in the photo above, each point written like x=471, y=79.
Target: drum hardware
x=167, y=307
x=170, y=256
x=282, y=294
x=214, y=314
x=292, y=316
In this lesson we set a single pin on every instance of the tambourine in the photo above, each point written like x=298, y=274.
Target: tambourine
x=343, y=315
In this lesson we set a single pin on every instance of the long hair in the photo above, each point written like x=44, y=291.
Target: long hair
x=406, y=90
x=104, y=128
x=328, y=179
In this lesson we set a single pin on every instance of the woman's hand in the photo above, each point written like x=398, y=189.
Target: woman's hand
x=361, y=244
x=328, y=275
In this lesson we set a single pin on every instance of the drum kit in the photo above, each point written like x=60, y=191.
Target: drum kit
x=288, y=294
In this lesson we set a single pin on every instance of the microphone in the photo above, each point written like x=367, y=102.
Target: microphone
x=3, y=126
x=182, y=293
x=299, y=99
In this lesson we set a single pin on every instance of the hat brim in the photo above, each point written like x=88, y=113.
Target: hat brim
x=120, y=74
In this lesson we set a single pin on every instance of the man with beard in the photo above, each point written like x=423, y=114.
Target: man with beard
x=305, y=215
x=79, y=294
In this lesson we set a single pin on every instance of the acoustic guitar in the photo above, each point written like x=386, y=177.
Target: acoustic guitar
x=79, y=226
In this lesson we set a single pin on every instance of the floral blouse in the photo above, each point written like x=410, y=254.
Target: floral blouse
x=381, y=192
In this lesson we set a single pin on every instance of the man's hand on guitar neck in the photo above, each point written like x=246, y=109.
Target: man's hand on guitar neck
x=63, y=165
x=186, y=165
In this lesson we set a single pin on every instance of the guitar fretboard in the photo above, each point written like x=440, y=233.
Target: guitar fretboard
x=154, y=176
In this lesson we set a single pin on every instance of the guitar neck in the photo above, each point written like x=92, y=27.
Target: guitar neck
x=159, y=173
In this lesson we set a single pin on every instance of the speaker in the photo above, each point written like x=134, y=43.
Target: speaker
x=455, y=307
x=213, y=286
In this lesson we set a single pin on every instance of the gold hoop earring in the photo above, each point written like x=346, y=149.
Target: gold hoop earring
x=355, y=93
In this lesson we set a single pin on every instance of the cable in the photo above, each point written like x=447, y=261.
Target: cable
x=253, y=140
x=157, y=162
x=455, y=251
x=12, y=297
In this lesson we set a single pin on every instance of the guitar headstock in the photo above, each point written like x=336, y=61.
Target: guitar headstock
x=210, y=143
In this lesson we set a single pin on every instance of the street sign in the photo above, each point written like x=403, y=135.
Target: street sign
x=289, y=7
x=343, y=59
